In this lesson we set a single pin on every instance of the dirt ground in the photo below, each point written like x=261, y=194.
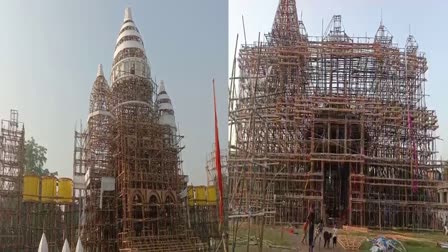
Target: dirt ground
x=287, y=240
x=291, y=241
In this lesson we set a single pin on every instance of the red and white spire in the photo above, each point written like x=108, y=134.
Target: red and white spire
x=166, y=110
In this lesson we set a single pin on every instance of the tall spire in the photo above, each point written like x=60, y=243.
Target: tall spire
x=130, y=59
x=286, y=30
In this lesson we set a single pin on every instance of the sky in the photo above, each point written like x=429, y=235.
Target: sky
x=51, y=50
x=423, y=19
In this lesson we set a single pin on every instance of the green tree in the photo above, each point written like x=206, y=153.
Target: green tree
x=35, y=158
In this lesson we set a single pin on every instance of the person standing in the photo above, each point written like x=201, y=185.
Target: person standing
x=311, y=236
x=310, y=220
x=307, y=223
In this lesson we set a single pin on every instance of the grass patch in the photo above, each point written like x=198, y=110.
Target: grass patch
x=414, y=246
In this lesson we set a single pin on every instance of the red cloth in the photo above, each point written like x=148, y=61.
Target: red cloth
x=218, y=159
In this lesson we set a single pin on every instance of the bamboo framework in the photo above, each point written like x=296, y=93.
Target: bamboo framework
x=334, y=123
x=11, y=173
x=79, y=187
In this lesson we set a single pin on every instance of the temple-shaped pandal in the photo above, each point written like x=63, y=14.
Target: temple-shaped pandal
x=334, y=123
x=128, y=157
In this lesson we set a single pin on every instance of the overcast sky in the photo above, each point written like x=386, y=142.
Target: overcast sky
x=425, y=18
x=51, y=49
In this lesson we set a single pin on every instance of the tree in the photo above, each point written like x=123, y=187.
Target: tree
x=35, y=158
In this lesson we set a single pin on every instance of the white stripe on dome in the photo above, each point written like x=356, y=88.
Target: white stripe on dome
x=129, y=44
x=128, y=33
x=131, y=102
x=99, y=112
x=128, y=24
x=162, y=96
x=165, y=106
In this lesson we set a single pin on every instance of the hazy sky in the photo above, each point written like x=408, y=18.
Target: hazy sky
x=51, y=49
x=426, y=19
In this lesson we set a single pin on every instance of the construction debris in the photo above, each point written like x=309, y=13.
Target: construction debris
x=350, y=242
x=382, y=244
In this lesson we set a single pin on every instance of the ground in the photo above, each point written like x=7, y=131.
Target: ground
x=277, y=241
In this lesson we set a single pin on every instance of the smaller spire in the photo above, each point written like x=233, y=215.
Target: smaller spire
x=162, y=87
x=100, y=70
x=66, y=247
x=127, y=14
x=43, y=245
x=79, y=247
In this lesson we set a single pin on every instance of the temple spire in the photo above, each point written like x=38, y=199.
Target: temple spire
x=285, y=30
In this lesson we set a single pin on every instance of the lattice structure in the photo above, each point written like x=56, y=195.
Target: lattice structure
x=334, y=123
x=12, y=163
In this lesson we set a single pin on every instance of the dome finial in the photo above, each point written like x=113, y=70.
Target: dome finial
x=100, y=70
x=161, y=86
x=127, y=14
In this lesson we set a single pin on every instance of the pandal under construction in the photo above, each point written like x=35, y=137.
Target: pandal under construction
x=127, y=171
x=333, y=123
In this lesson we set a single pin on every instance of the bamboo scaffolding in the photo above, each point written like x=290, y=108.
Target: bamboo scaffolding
x=344, y=117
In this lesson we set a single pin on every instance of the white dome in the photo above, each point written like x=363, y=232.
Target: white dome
x=165, y=107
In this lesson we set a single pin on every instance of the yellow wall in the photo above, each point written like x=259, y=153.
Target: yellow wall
x=211, y=195
x=65, y=190
x=202, y=195
x=31, y=185
x=48, y=189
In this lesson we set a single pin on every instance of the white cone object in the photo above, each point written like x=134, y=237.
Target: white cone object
x=43, y=245
x=66, y=247
x=79, y=247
